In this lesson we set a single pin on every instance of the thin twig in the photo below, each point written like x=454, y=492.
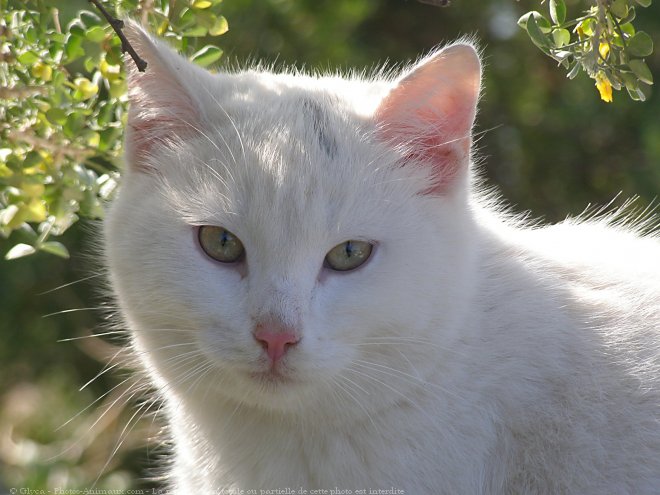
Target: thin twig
x=47, y=144
x=146, y=6
x=436, y=3
x=22, y=92
x=56, y=20
x=117, y=25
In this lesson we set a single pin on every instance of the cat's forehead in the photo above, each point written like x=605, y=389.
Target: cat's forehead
x=286, y=159
x=300, y=162
x=267, y=92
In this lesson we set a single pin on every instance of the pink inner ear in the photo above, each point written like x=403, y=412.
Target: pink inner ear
x=157, y=118
x=431, y=112
x=161, y=111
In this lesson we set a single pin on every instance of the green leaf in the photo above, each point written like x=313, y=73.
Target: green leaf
x=20, y=250
x=73, y=47
x=562, y=56
x=558, y=11
x=56, y=116
x=28, y=58
x=541, y=22
x=628, y=29
x=186, y=16
x=92, y=138
x=619, y=8
x=109, y=137
x=536, y=34
x=645, y=89
x=640, y=45
x=32, y=159
x=574, y=71
x=95, y=34
x=75, y=122
x=587, y=26
x=196, y=32
x=117, y=88
x=207, y=55
x=630, y=17
x=90, y=64
x=630, y=81
x=221, y=26
x=56, y=248
x=643, y=3
x=31, y=35
x=641, y=70
x=76, y=28
x=8, y=214
x=5, y=171
x=89, y=18
x=636, y=94
x=561, y=37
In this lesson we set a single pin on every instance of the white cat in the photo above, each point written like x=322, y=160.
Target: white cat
x=324, y=299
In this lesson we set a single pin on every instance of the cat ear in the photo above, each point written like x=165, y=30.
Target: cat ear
x=431, y=110
x=162, y=112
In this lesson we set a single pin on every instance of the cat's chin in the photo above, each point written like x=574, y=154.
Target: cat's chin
x=273, y=390
x=272, y=378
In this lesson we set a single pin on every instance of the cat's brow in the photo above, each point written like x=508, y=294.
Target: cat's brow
x=315, y=113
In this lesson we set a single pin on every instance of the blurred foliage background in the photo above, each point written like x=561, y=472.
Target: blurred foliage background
x=550, y=144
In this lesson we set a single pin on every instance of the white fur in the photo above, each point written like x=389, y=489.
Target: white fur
x=471, y=354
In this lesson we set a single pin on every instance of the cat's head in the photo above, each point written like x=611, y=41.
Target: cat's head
x=283, y=239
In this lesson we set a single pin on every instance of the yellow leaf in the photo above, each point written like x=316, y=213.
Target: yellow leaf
x=5, y=171
x=219, y=27
x=604, y=50
x=42, y=71
x=163, y=27
x=117, y=88
x=201, y=4
x=15, y=215
x=86, y=87
x=33, y=190
x=604, y=87
x=36, y=211
x=109, y=71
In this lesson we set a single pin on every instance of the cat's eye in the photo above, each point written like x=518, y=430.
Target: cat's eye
x=220, y=244
x=348, y=255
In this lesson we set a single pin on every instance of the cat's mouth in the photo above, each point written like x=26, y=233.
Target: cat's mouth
x=273, y=376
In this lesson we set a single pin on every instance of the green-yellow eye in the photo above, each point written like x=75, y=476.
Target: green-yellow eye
x=220, y=244
x=348, y=255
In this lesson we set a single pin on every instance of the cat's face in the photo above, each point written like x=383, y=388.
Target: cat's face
x=271, y=246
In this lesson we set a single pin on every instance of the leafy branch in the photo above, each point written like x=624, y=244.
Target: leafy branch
x=602, y=42
x=63, y=106
x=118, y=25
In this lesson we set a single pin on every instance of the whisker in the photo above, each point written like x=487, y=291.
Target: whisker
x=74, y=310
x=122, y=439
x=104, y=370
x=366, y=392
x=402, y=375
x=115, y=332
x=384, y=340
x=389, y=387
x=70, y=283
x=90, y=405
x=388, y=370
x=103, y=414
x=346, y=389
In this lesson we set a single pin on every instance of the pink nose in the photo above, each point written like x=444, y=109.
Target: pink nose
x=275, y=339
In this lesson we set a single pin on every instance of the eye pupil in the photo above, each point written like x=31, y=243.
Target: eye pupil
x=220, y=244
x=348, y=255
x=349, y=249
